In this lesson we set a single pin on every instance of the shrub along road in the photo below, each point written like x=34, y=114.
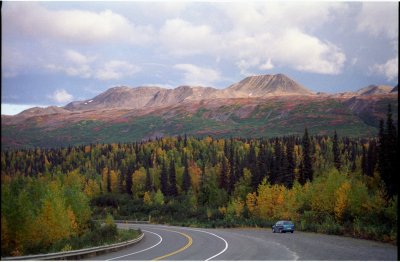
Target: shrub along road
x=179, y=243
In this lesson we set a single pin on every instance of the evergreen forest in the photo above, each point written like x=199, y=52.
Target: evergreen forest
x=328, y=184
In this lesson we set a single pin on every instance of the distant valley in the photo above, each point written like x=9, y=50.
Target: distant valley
x=257, y=106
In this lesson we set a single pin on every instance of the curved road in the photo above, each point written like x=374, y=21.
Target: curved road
x=180, y=243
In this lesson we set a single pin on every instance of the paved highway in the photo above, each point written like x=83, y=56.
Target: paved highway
x=180, y=243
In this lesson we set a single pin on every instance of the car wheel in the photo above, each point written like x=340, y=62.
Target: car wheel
x=280, y=230
x=273, y=230
x=291, y=232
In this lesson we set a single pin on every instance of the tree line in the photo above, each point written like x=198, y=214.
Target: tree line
x=332, y=182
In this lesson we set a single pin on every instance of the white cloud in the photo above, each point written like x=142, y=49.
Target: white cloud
x=389, y=69
x=83, y=71
x=77, y=64
x=61, y=96
x=12, y=61
x=77, y=58
x=116, y=69
x=275, y=16
x=75, y=26
x=379, y=18
x=180, y=37
x=261, y=36
x=166, y=86
x=307, y=53
x=195, y=75
x=267, y=65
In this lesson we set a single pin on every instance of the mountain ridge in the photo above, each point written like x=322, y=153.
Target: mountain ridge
x=124, y=97
x=278, y=107
x=153, y=96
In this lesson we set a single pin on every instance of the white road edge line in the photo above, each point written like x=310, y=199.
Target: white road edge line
x=159, y=242
x=191, y=229
x=226, y=243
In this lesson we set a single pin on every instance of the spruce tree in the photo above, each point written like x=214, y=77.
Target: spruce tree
x=371, y=158
x=387, y=159
x=164, y=179
x=173, y=191
x=128, y=181
x=336, y=151
x=353, y=157
x=149, y=183
x=108, y=181
x=252, y=164
x=223, y=180
x=186, y=183
x=306, y=167
x=291, y=165
x=277, y=174
x=364, y=161
x=262, y=167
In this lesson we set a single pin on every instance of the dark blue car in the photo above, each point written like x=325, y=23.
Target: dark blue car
x=283, y=227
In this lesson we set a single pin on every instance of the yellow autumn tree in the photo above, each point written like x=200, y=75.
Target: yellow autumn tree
x=114, y=181
x=104, y=180
x=147, y=199
x=92, y=188
x=195, y=175
x=72, y=220
x=251, y=203
x=323, y=196
x=139, y=183
x=52, y=223
x=264, y=200
x=342, y=200
x=239, y=207
x=74, y=179
x=278, y=200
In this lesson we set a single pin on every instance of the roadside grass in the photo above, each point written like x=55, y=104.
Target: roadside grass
x=96, y=235
x=180, y=214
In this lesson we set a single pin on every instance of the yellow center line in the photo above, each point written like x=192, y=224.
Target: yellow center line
x=189, y=243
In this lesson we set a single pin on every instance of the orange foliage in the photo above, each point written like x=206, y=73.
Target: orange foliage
x=251, y=203
x=342, y=199
x=195, y=175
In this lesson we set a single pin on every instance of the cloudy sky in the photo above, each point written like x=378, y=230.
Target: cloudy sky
x=57, y=52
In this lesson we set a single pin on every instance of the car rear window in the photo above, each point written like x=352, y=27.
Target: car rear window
x=287, y=223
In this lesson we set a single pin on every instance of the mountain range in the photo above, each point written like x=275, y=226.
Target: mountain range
x=263, y=105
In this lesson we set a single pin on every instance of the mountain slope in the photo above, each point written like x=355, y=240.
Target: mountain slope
x=263, y=85
x=278, y=107
x=38, y=111
x=117, y=97
x=374, y=90
x=145, y=97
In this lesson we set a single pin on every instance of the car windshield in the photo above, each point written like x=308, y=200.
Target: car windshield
x=287, y=223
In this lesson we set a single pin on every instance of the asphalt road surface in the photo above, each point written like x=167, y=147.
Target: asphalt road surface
x=180, y=243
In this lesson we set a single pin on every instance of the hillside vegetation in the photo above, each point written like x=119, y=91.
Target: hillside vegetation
x=329, y=184
x=258, y=106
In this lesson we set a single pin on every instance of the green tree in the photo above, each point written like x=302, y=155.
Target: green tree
x=149, y=183
x=164, y=179
x=223, y=179
x=306, y=173
x=186, y=184
x=387, y=160
x=336, y=151
x=173, y=190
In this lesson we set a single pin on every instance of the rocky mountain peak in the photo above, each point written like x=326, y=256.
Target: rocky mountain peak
x=261, y=85
x=37, y=111
x=374, y=90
